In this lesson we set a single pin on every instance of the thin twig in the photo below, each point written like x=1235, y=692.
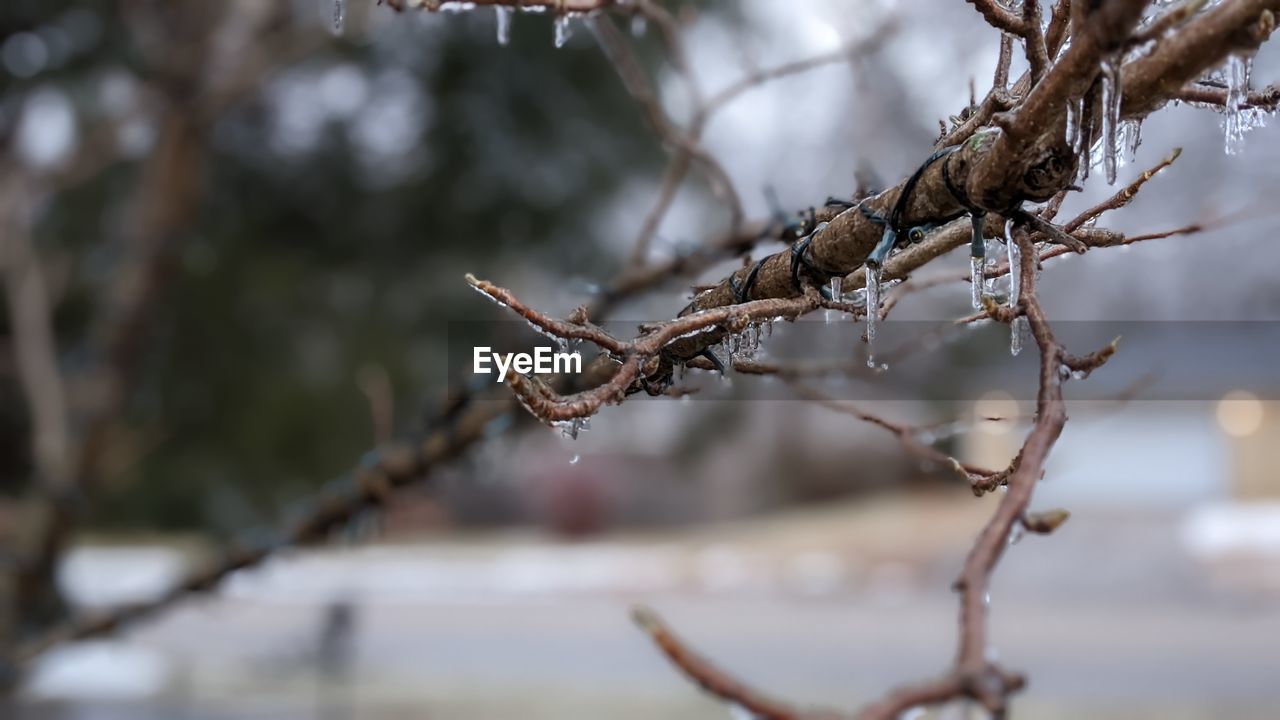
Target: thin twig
x=716, y=681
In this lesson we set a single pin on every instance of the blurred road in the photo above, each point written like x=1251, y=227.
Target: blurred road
x=1112, y=617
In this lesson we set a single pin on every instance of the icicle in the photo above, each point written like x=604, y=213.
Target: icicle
x=339, y=20
x=1084, y=152
x=1015, y=265
x=1130, y=139
x=989, y=281
x=752, y=336
x=873, y=312
x=502, y=14
x=977, y=269
x=835, y=288
x=1073, y=122
x=1234, y=125
x=1016, y=330
x=1014, y=255
x=1110, y=116
x=1079, y=136
x=564, y=30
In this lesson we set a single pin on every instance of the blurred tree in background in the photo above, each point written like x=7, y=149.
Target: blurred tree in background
x=344, y=183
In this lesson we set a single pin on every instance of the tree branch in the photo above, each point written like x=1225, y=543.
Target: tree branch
x=716, y=681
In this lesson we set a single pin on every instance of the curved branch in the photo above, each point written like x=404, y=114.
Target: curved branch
x=716, y=681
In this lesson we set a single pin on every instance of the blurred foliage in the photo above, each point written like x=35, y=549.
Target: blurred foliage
x=344, y=197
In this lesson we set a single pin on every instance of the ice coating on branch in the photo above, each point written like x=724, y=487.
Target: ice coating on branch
x=745, y=344
x=561, y=343
x=873, y=312
x=491, y=298
x=571, y=428
x=502, y=14
x=563, y=30
x=1234, y=125
x=751, y=340
x=1110, y=117
x=1015, y=533
x=338, y=21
